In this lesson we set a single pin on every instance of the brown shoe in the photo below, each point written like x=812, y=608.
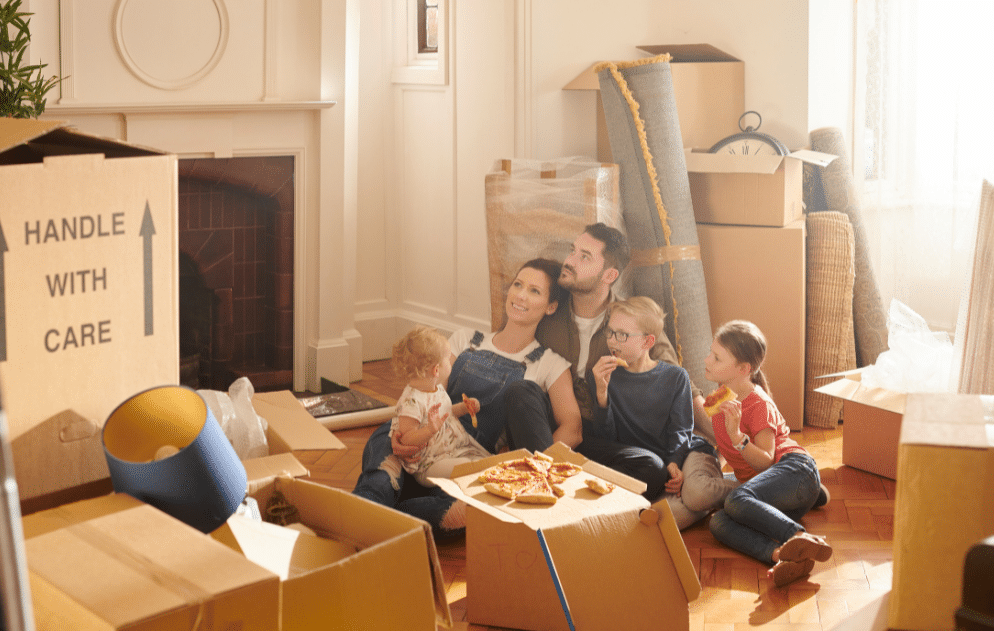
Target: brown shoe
x=786, y=572
x=805, y=546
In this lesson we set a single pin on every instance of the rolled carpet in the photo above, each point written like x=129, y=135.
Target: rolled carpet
x=869, y=315
x=644, y=131
x=829, y=344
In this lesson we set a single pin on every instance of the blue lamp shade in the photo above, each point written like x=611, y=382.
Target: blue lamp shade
x=165, y=448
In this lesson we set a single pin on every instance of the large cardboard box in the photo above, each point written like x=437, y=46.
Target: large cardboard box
x=116, y=563
x=759, y=190
x=872, y=423
x=608, y=561
x=372, y=568
x=944, y=504
x=758, y=274
x=709, y=87
x=89, y=293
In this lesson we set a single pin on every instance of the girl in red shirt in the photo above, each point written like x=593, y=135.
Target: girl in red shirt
x=780, y=480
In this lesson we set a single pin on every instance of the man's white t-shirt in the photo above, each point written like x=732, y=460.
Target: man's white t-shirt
x=549, y=367
x=587, y=327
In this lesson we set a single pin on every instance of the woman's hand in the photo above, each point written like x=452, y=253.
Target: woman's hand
x=675, y=483
x=602, y=376
x=406, y=453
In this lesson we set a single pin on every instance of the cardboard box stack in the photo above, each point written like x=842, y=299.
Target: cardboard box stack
x=944, y=504
x=589, y=561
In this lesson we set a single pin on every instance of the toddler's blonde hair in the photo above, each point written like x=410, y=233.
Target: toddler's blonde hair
x=648, y=315
x=419, y=350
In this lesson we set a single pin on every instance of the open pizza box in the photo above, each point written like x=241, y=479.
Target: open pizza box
x=356, y=564
x=589, y=561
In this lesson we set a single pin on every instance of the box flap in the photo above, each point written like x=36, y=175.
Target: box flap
x=284, y=551
x=55, y=518
x=17, y=131
x=661, y=512
x=689, y=53
x=851, y=389
x=295, y=428
x=949, y=420
x=262, y=471
x=150, y=561
x=816, y=158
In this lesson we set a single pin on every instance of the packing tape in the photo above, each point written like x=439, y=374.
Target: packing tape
x=665, y=254
x=987, y=401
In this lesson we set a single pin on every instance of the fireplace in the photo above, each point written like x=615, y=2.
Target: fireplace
x=236, y=241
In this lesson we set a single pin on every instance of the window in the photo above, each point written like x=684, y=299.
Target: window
x=427, y=26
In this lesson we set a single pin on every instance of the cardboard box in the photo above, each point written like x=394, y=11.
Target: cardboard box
x=89, y=299
x=291, y=428
x=619, y=562
x=944, y=504
x=769, y=291
x=115, y=563
x=872, y=423
x=748, y=190
x=709, y=87
x=380, y=569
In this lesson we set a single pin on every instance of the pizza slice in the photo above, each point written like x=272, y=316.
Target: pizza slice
x=712, y=403
x=509, y=489
x=599, y=486
x=470, y=408
x=539, y=493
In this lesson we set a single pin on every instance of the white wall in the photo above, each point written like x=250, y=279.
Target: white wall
x=422, y=232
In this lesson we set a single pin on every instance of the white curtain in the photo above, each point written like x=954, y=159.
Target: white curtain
x=925, y=102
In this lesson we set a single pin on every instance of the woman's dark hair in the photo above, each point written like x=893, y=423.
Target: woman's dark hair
x=747, y=344
x=552, y=269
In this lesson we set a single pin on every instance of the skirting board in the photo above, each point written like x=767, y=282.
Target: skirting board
x=350, y=420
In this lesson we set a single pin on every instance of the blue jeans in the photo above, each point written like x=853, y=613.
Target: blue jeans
x=764, y=511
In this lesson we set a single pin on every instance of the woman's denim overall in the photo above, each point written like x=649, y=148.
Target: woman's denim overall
x=483, y=375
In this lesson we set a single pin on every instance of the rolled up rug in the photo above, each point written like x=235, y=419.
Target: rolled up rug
x=869, y=315
x=829, y=345
x=644, y=131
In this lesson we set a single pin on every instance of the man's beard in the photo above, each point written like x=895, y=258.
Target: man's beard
x=574, y=285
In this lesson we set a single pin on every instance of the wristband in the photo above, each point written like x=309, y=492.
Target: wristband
x=742, y=445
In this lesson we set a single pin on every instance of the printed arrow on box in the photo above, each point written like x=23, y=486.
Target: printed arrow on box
x=146, y=232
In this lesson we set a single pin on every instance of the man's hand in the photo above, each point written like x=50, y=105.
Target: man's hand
x=402, y=451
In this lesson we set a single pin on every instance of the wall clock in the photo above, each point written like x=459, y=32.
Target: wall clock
x=750, y=142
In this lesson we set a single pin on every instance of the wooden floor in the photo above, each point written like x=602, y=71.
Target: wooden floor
x=736, y=593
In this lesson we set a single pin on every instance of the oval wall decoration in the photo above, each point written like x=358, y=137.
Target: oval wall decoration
x=171, y=45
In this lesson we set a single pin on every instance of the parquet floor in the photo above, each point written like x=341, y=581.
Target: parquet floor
x=736, y=594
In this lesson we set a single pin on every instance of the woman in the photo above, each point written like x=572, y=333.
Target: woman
x=483, y=366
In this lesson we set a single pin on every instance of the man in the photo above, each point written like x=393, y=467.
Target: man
x=577, y=332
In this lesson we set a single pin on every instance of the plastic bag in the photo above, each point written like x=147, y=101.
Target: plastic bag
x=917, y=360
x=238, y=419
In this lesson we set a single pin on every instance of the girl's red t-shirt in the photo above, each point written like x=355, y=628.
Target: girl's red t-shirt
x=759, y=412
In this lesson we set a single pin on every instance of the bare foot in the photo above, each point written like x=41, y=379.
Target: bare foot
x=805, y=546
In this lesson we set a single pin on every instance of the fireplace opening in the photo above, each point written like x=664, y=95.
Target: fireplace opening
x=236, y=271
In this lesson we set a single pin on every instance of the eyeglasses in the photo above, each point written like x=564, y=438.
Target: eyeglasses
x=621, y=336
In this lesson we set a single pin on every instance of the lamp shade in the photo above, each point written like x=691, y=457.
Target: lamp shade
x=165, y=448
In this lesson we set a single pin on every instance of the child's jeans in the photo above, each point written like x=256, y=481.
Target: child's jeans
x=763, y=512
